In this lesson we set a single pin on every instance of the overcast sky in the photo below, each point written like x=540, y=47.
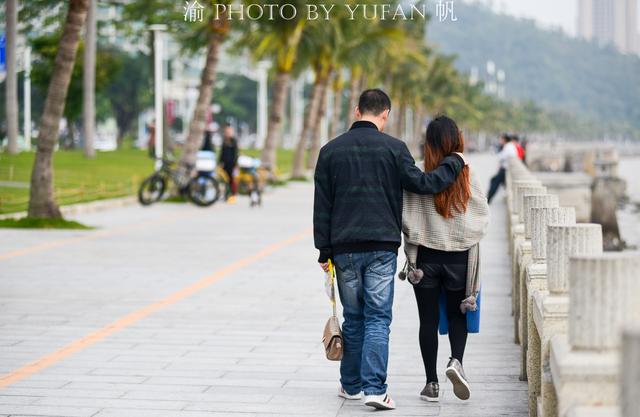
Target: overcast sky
x=559, y=13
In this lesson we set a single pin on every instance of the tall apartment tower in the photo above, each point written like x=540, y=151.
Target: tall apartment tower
x=610, y=22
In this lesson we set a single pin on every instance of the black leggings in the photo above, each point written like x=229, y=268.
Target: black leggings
x=429, y=312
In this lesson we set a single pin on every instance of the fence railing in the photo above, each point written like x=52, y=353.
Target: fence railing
x=572, y=303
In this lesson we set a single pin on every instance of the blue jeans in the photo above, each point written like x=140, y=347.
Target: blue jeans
x=365, y=284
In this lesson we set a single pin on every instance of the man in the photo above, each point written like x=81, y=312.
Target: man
x=229, y=158
x=508, y=150
x=357, y=223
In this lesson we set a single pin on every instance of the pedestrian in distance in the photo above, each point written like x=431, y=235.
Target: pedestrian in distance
x=229, y=153
x=507, y=151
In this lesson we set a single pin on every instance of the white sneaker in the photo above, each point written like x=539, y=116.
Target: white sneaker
x=381, y=402
x=344, y=394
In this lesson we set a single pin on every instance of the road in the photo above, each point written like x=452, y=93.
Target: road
x=177, y=311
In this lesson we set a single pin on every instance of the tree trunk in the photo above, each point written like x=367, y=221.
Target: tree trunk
x=402, y=123
x=276, y=117
x=354, y=91
x=316, y=139
x=199, y=119
x=42, y=201
x=418, y=130
x=393, y=124
x=307, y=128
x=89, y=83
x=11, y=97
x=337, y=111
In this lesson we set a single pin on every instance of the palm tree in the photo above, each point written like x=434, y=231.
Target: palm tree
x=316, y=138
x=312, y=117
x=339, y=44
x=11, y=97
x=89, y=82
x=218, y=29
x=337, y=86
x=277, y=39
x=42, y=200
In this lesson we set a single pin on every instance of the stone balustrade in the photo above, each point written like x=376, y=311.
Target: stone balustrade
x=630, y=371
x=585, y=365
x=570, y=303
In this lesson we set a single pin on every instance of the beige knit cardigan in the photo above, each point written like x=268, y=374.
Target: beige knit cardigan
x=423, y=226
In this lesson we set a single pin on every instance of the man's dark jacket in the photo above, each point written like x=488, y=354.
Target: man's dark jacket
x=359, y=180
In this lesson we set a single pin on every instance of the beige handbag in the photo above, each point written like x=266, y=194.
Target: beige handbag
x=332, y=336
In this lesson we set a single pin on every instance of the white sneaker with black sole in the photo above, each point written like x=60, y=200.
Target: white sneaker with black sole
x=380, y=402
x=456, y=375
x=344, y=394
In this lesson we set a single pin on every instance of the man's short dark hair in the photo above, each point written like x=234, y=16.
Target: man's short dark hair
x=374, y=102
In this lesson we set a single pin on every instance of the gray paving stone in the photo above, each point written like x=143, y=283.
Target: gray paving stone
x=248, y=345
x=37, y=410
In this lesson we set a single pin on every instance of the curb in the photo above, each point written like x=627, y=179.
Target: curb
x=82, y=208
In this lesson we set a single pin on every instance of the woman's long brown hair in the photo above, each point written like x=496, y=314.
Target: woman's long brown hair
x=444, y=138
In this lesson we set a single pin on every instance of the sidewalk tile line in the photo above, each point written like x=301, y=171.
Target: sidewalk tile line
x=90, y=236
x=131, y=318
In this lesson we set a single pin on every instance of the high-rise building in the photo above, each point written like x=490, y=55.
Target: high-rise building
x=610, y=22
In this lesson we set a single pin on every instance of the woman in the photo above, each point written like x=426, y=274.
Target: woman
x=441, y=234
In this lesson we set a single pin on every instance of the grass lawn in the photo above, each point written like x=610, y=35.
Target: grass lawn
x=78, y=179
x=284, y=160
x=28, y=223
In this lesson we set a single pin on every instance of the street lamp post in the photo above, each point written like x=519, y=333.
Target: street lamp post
x=27, y=98
x=501, y=77
x=158, y=53
x=263, y=114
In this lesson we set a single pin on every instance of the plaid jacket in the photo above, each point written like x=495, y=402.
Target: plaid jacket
x=359, y=180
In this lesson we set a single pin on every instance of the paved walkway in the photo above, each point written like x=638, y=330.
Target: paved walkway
x=175, y=311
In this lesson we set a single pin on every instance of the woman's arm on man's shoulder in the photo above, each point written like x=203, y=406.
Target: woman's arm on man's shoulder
x=416, y=181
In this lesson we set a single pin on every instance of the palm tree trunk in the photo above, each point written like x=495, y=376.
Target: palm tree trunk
x=276, y=117
x=354, y=91
x=416, y=140
x=199, y=119
x=337, y=110
x=316, y=139
x=307, y=128
x=402, y=122
x=11, y=97
x=42, y=201
x=89, y=83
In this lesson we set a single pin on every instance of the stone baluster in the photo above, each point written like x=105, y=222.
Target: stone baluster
x=525, y=182
x=536, y=282
x=540, y=219
x=520, y=255
x=532, y=201
x=550, y=311
x=523, y=190
x=603, y=298
x=630, y=367
x=564, y=242
x=529, y=201
x=603, y=301
x=516, y=232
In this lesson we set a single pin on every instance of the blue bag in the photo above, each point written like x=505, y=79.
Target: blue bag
x=473, y=317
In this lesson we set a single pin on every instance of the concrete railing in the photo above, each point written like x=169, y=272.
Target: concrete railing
x=571, y=304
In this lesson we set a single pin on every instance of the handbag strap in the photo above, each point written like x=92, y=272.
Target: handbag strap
x=332, y=272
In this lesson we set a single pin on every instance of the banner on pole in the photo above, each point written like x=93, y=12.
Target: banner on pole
x=3, y=56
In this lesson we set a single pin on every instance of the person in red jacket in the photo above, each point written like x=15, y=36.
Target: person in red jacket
x=516, y=141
